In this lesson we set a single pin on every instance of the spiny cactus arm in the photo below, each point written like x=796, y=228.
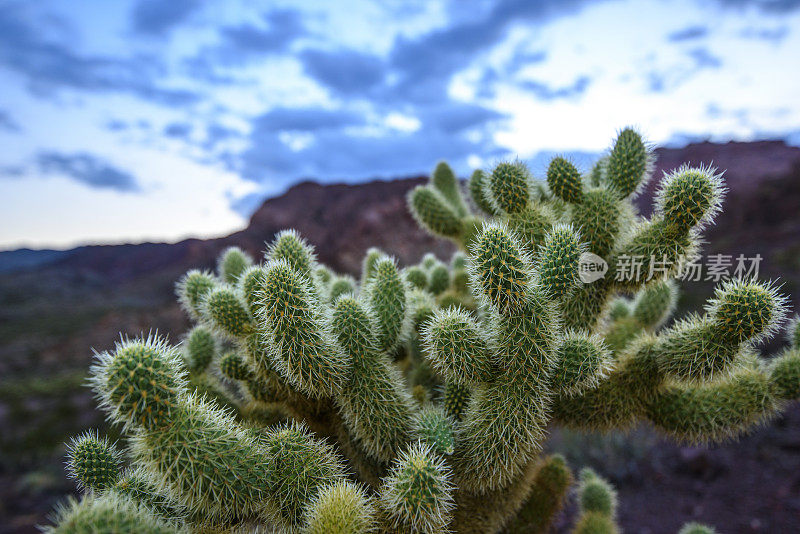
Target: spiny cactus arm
x=417, y=493
x=476, y=192
x=436, y=429
x=341, y=285
x=445, y=181
x=93, y=462
x=557, y=267
x=652, y=306
x=110, y=512
x=582, y=362
x=232, y=262
x=508, y=188
x=199, y=349
x=235, y=367
x=289, y=245
x=687, y=200
x=784, y=375
x=629, y=164
x=416, y=277
x=226, y=311
x=548, y=492
x=742, y=313
x=370, y=262
x=341, y=508
x=388, y=301
x=564, y=180
x=141, y=487
x=455, y=400
x=302, y=348
x=434, y=213
x=376, y=407
x=250, y=282
x=598, y=505
x=191, y=290
x=715, y=411
x=457, y=348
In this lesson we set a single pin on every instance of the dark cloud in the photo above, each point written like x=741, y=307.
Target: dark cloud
x=704, y=59
x=283, y=27
x=7, y=123
x=345, y=71
x=49, y=66
x=87, y=169
x=689, y=33
x=157, y=17
x=217, y=133
x=768, y=6
x=455, y=117
x=544, y=91
x=309, y=119
x=178, y=130
x=116, y=125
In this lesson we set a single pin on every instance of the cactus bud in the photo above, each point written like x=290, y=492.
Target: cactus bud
x=500, y=269
x=416, y=277
x=558, y=261
x=456, y=347
x=629, y=163
x=340, y=286
x=288, y=245
x=232, y=263
x=234, y=367
x=433, y=212
x=227, y=312
x=582, y=361
x=747, y=310
x=655, y=303
x=784, y=374
x=689, y=197
x=341, y=508
x=192, y=289
x=509, y=187
x=93, y=462
x=201, y=347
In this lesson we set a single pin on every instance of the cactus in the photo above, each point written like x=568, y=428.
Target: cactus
x=418, y=399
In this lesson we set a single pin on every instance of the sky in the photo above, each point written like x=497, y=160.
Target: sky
x=141, y=120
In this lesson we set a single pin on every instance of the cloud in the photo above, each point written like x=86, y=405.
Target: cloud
x=49, y=66
x=178, y=130
x=455, y=117
x=310, y=119
x=543, y=91
x=7, y=123
x=773, y=35
x=87, y=169
x=689, y=33
x=704, y=59
x=767, y=6
x=158, y=17
x=347, y=72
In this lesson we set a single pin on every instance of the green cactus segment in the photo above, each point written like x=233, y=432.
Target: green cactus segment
x=599, y=218
x=110, y=514
x=597, y=176
x=558, y=261
x=422, y=305
x=655, y=303
x=200, y=349
x=140, y=487
x=387, y=298
x=234, y=367
x=457, y=349
x=509, y=187
x=416, y=277
x=300, y=468
x=597, y=501
x=477, y=188
x=689, y=196
x=294, y=250
x=565, y=180
x=501, y=271
x=696, y=528
x=714, y=411
x=370, y=263
x=228, y=313
x=341, y=508
x=250, y=283
x=341, y=285
x=439, y=279
x=545, y=498
x=784, y=375
x=629, y=163
x=435, y=429
x=433, y=212
x=192, y=289
x=455, y=401
x=742, y=311
x=376, y=408
x=139, y=382
x=531, y=224
x=445, y=181
x=93, y=462
x=619, y=308
x=302, y=350
x=582, y=361
x=232, y=263
x=417, y=493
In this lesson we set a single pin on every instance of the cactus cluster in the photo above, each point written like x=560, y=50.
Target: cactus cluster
x=418, y=399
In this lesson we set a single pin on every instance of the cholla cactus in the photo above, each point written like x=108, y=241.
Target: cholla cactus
x=418, y=399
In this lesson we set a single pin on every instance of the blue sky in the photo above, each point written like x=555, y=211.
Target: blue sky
x=138, y=120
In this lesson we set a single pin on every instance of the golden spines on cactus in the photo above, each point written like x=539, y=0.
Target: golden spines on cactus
x=93, y=462
x=582, y=362
x=417, y=493
x=457, y=349
x=557, y=267
x=629, y=164
x=289, y=246
x=232, y=263
x=227, y=313
x=377, y=410
x=386, y=294
x=564, y=180
x=500, y=269
x=302, y=348
x=508, y=187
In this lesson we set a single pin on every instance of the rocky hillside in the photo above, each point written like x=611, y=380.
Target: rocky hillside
x=56, y=306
